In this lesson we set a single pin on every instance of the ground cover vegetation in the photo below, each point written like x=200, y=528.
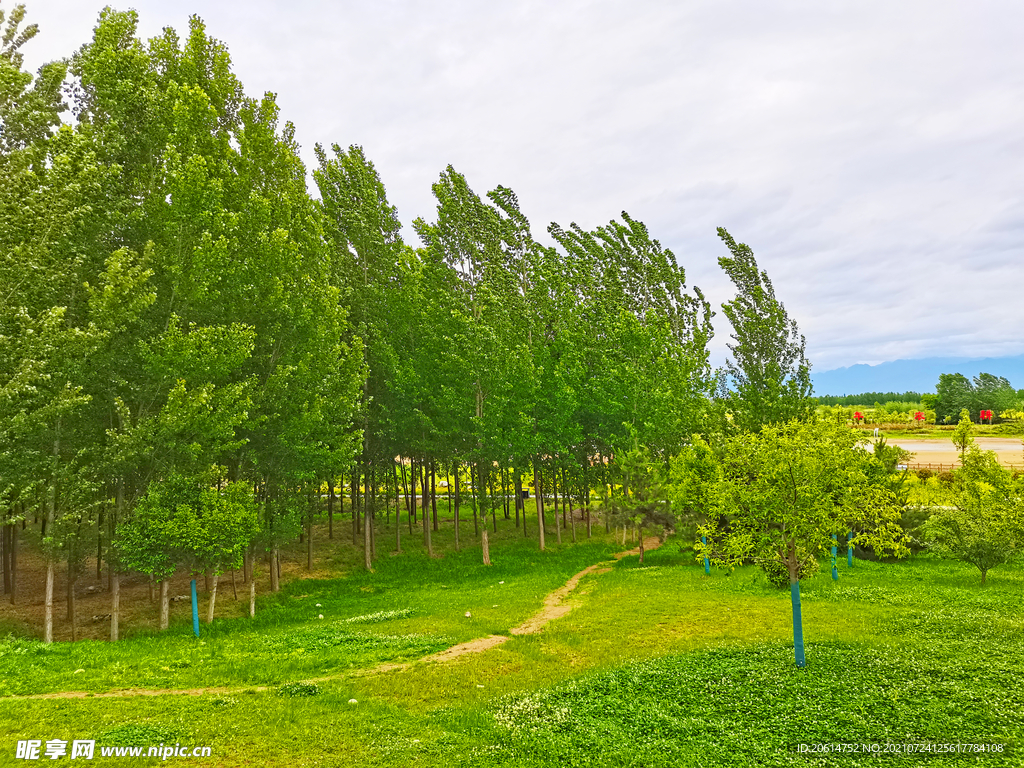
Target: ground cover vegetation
x=204, y=371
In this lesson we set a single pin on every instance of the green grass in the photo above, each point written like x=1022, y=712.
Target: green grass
x=657, y=665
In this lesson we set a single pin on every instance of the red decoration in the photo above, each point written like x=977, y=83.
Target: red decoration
x=982, y=415
x=857, y=415
x=919, y=416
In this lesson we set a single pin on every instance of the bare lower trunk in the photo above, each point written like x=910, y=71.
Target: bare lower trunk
x=367, y=546
x=252, y=595
x=540, y=504
x=115, y=605
x=641, y=544
x=234, y=589
x=330, y=509
x=71, y=604
x=275, y=584
x=554, y=491
x=487, y=549
x=213, y=599
x=165, y=604
x=427, y=540
x=48, y=605
x=309, y=543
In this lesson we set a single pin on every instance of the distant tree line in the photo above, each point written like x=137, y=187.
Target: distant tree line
x=865, y=398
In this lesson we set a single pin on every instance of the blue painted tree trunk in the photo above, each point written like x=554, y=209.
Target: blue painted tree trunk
x=798, y=624
x=195, y=609
x=835, y=571
x=707, y=563
x=849, y=549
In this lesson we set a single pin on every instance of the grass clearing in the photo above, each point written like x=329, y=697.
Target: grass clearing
x=656, y=665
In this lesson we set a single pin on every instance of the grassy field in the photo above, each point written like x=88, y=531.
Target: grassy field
x=657, y=665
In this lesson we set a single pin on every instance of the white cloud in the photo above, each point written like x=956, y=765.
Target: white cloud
x=869, y=152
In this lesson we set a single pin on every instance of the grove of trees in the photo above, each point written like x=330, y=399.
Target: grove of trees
x=194, y=349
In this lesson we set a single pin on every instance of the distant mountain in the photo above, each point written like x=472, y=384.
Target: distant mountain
x=913, y=375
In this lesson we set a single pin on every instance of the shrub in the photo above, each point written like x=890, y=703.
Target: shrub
x=778, y=575
x=946, y=477
x=924, y=473
x=297, y=689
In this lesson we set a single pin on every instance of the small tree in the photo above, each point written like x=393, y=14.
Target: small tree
x=984, y=524
x=642, y=501
x=962, y=434
x=786, y=491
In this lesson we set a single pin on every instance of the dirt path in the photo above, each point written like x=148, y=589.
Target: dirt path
x=554, y=607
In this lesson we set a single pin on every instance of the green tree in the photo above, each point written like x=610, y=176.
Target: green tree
x=962, y=434
x=770, y=376
x=984, y=523
x=785, y=491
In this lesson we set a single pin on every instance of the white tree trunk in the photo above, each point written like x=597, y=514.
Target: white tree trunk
x=165, y=604
x=213, y=598
x=115, y=605
x=48, y=605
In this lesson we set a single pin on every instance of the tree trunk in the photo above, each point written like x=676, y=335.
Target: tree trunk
x=234, y=587
x=367, y=544
x=490, y=488
x=252, y=595
x=519, y=495
x=165, y=604
x=99, y=545
x=641, y=545
x=71, y=602
x=505, y=493
x=247, y=565
x=13, y=557
x=330, y=509
x=474, y=487
x=115, y=605
x=5, y=564
x=539, y=493
x=213, y=599
x=48, y=605
x=433, y=492
x=275, y=585
x=458, y=502
x=486, y=548
x=554, y=492
x=398, y=514
x=355, y=505
x=427, y=542
x=309, y=542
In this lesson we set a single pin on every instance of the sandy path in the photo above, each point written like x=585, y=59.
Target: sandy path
x=554, y=607
x=1009, y=451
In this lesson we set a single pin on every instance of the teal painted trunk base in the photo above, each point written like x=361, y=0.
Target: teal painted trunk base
x=798, y=625
x=195, y=609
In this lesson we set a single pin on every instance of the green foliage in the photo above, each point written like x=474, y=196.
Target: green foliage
x=956, y=393
x=298, y=690
x=770, y=376
x=962, y=434
x=871, y=397
x=189, y=521
x=777, y=571
x=785, y=491
x=984, y=525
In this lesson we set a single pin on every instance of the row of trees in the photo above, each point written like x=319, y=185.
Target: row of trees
x=985, y=391
x=193, y=348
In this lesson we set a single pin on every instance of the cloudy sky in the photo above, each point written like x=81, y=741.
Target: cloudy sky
x=870, y=152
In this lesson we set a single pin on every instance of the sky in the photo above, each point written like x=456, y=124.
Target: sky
x=871, y=153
